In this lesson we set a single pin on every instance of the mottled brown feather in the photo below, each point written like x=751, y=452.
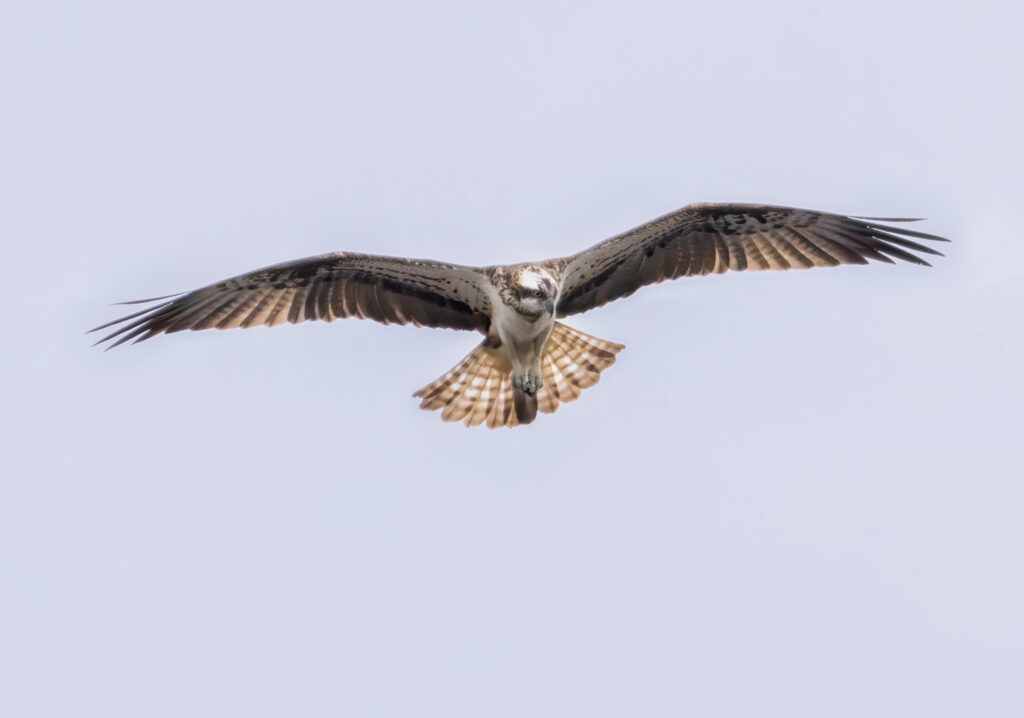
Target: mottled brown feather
x=387, y=289
x=712, y=238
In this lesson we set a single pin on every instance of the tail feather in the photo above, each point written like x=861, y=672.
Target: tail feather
x=503, y=411
x=479, y=389
x=573, y=361
x=476, y=390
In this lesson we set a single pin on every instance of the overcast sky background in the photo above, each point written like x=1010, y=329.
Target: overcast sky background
x=795, y=494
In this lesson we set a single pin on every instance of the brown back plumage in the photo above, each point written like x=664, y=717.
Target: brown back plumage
x=479, y=388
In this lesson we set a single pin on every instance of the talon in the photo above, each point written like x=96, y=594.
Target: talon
x=536, y=381
x=529, y=384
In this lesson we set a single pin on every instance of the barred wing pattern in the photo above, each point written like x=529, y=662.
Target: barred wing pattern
x=341, y=284
x=713, y=238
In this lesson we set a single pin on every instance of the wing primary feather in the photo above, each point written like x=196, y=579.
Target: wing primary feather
x=145, y=301
x=864, y=244
x=147, y=310
x=874, y=246
x=212, y=316
x=838, y=245
x=805, y=242
x=882, y=219
x=907, y=243
x=184, y=312
x=901, y=254
x=120, y=330
x=129, y=332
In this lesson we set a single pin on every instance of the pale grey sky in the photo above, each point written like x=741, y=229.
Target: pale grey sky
x=796, y=494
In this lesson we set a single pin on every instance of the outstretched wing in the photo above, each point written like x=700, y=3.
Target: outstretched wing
x=386, y=289
x=712, y=238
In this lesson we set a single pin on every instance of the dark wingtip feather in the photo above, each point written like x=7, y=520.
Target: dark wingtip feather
x=130, y=328
x=152, y=299
x=910, y=232
x=871, y=222
x=119, y=320
x=892, y=237
x=892, y=240
x=888, y=219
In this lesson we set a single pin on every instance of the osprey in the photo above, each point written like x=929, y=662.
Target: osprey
x=528, y=361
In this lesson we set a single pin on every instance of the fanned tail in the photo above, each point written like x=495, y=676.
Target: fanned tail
x=479, y=388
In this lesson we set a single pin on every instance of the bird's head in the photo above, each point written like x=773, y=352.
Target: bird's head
x=534, y=294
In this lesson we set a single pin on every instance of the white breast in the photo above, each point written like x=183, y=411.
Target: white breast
x=518, y=335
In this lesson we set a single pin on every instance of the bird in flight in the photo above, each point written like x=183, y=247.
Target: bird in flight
x=528, y=360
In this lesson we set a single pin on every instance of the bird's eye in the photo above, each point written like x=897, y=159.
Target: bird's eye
x=537, y=293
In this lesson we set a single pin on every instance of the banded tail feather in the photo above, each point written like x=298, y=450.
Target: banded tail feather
x=479, y=389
